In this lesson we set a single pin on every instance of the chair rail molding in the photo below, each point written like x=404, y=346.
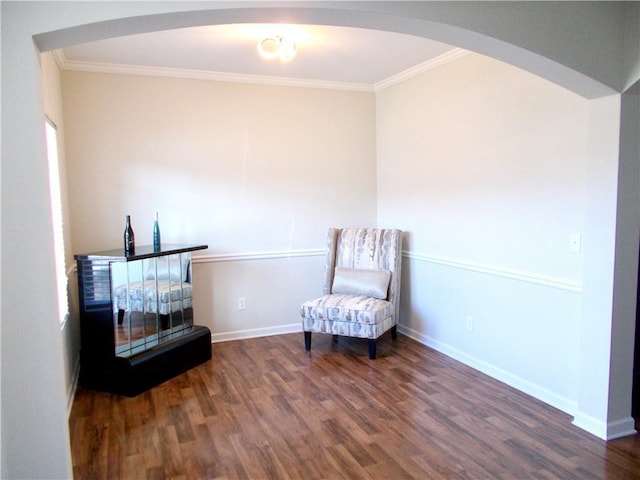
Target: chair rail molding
x=248, y=256
x=528, y=277
x=521, y=276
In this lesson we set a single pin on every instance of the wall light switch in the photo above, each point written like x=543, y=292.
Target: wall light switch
x=469, y=323
x=575, y=243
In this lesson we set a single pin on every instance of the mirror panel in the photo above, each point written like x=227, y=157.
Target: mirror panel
x=152, y=302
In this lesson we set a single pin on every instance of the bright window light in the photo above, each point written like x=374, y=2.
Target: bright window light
x=56, y=216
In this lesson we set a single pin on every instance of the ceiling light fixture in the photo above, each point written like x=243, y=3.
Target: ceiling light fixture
x=277, y=46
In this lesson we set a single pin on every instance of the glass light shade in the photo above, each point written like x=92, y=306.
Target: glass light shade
x=277, y=47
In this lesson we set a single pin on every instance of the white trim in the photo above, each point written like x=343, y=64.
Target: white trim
x=246, y=256
x=256, y=332
x=151, y=71
x=521, y=276
x=439, y=61
x=621, y=428
x=590, y=424
x=514, y=381
x=71, y=393
x=169, y=72
x=448, y=262
x=58, y=56
x=606, y=431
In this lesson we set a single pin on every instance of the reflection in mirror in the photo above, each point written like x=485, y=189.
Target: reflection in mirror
x=152, y=302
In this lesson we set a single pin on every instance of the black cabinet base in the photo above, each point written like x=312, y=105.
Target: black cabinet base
x=134, y=375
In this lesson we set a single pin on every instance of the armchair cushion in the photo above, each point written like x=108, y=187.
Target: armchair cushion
x=353, y=315
x=367, y=282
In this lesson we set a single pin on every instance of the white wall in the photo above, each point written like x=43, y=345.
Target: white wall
x=484, y=165
x=35, y=430
x=610, y=283
x=490, y=161
x=246, y=169
x=626, y=264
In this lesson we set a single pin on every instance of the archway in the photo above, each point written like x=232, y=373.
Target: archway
x=470, y=27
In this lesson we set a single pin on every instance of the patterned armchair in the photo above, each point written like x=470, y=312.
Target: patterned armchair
x=361, y=286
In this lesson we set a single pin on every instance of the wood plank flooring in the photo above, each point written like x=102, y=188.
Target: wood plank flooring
x=265, y=409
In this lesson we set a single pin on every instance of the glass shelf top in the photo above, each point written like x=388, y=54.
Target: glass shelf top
x=142, y=251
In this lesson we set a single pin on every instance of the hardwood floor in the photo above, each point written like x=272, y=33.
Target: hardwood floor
x=265, y=408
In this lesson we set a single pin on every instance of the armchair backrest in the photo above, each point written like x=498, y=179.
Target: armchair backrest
x=366, y=248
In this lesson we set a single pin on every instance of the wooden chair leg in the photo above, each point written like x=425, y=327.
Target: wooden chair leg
x=394, y=332
x=307, y=341
x=372, y=348
x=120, y=316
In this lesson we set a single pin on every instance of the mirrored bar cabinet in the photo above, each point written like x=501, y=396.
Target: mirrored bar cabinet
x=136, y=318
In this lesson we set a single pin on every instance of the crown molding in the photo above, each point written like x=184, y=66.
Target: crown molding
x=436, y=62
x=59, y=57
x=124, y=69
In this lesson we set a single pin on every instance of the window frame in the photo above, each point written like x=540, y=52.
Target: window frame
x=55, y=197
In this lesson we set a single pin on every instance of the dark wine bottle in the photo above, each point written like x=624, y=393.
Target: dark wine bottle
x=129, y=239
x=156, y=235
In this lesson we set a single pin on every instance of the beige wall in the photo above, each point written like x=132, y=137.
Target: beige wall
x=53, y=108
x=484, y=165
x=246, y=169
x=243, y=168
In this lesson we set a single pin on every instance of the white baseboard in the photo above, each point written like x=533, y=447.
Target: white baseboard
x=606, y=431
x=71, y=393
x=256, y=332
x=603, y=430
x=592, y=425
x=514, y=381
x=621, y=428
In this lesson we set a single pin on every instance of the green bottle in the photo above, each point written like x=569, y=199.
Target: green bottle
x=156, y=235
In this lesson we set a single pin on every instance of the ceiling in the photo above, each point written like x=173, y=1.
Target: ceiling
x=350, y=57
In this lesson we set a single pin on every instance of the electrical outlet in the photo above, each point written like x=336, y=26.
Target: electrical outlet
x=469, y=323
x=242, y=303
